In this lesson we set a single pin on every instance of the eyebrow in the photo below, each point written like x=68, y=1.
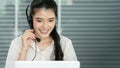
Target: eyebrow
x=52, y=18
x=41, y=18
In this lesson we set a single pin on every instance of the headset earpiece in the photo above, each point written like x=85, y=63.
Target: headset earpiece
x=29, y=18
x=30, y=21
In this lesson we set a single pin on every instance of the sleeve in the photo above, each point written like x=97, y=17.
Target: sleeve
x=69, y=52
x=12, y=54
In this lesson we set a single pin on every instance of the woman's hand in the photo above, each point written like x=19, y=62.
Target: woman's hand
x=27, y=36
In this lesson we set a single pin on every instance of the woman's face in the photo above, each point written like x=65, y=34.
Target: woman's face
x=44, y=22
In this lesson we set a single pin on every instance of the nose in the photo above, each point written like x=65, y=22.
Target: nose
x=45, y=25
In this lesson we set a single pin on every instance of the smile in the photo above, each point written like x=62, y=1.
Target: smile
x=44, y=31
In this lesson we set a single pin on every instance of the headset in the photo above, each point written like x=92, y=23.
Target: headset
x=30, y=22
x=29, y=19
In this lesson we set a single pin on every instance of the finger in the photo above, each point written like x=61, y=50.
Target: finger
x=29, y=30
x=28, y=33
x=30, y=37
x=33, y=35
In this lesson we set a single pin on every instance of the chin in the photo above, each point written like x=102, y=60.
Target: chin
x=44, y=36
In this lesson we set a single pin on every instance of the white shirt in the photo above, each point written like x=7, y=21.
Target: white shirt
x=45, y=55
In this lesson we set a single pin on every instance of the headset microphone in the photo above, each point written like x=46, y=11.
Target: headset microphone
x=29, y=19
x=38, y=39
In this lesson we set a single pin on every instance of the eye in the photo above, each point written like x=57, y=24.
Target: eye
x=51, y=20
x=39, y=20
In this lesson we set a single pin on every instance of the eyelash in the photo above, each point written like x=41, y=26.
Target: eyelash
x=51, y=20
x=41, y=21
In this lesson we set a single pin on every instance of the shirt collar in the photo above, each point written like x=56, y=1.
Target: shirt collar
x=33, y=45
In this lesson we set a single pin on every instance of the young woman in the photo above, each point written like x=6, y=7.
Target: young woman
x=52, y=46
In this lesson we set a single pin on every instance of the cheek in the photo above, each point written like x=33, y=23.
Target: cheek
x=35, y=24
x=53, y=25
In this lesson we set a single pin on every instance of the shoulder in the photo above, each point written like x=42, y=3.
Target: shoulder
x=16, y=42
x=65, y=42
x=17, y=39
x=64, y=38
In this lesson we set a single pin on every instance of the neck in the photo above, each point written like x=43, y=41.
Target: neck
x=46, y=40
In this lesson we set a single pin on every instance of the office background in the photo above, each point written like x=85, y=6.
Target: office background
x=92, y=25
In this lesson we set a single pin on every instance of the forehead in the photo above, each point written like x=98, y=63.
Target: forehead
x=43, y=12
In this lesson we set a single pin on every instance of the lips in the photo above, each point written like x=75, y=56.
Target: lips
x=44, y=31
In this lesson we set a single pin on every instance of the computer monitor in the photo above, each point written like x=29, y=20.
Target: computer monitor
x=47, y=64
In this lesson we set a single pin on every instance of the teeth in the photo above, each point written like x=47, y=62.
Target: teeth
x=44, y=31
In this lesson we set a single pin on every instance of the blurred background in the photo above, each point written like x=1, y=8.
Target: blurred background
x=92, y=25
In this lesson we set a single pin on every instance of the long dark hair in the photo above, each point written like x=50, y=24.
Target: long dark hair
x=48, y=4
